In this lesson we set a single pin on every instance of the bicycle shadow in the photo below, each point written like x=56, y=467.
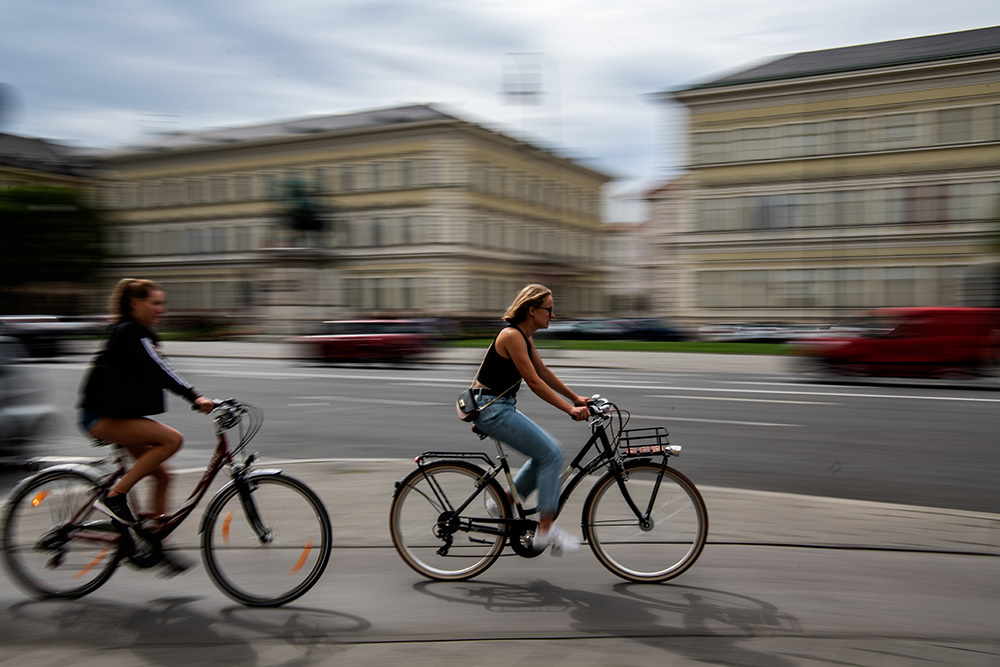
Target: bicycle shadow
x=710, y=625
x=171, y=631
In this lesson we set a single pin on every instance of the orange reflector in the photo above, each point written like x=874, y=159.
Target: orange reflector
x=37, y=500
x=225, y=527
x=92, y=564
x=303, y=558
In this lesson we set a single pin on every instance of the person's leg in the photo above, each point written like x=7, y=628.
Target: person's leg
x=151, y=443
x=544, y=467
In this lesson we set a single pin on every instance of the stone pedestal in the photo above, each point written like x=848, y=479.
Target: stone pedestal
x=296, y=290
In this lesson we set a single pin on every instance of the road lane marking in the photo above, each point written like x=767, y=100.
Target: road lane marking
x=716, y=421
x=651, y=387
x=357, y=399
x=749, y=400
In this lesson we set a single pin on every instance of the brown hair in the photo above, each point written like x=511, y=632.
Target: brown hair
x=530, y=295
x=128, y=289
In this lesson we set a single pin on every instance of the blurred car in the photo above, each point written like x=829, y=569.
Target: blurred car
x=366, y=341
x=25, y=412
x=45, y=336
x=747, y=332
x=596, y=329
x=647, y=328
x=925, y=342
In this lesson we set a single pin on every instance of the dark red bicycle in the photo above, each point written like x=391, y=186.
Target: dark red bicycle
x=265, y=537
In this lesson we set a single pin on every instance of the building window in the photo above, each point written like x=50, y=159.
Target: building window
x=954, y=125
x=849, y=135
x=899, y=130
x=926, y=203
x=219, y=188
x=900, y=287
x=754, y=143
x=348, y=177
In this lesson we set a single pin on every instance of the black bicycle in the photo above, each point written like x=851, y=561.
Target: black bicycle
x=450, y=518
x=265, y=537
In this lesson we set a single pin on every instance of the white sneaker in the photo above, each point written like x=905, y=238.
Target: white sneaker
x=560, y=541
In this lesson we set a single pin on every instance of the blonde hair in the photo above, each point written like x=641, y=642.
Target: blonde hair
x=530, y=295
x=128, y=289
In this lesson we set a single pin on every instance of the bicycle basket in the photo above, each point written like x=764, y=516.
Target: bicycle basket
x=644, y=441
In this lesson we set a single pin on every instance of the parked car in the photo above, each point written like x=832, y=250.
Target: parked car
x=648, y=328
x=365, y=341
x=909, y=342
x=25, y=409
x=44, y=336
x=592, y=329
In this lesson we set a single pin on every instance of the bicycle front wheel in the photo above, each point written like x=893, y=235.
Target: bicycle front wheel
x=435, y=541
x=55, y=545
x=646, y=550
x=267, y=545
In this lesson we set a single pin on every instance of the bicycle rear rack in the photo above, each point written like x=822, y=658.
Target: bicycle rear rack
x=646, y=442
x=476, y=456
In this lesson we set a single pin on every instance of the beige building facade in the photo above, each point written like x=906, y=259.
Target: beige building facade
x=830, y=181
x=426, y=215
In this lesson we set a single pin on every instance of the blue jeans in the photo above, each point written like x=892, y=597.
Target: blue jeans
x=503, y=421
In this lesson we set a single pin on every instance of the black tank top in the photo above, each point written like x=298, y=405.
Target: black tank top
x=500, y=374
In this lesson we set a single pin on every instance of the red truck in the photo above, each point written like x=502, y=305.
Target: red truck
x=925, y=342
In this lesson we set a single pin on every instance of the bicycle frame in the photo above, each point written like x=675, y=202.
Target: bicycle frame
x=604, y=457
x=159, y=530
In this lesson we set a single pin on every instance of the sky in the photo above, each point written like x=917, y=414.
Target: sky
x=107, y=73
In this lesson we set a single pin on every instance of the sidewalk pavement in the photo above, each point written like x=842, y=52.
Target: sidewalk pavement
x=357, y=493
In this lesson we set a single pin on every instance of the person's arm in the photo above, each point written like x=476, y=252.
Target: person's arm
x=510, y=343
x=549, y=378
x=166, y=375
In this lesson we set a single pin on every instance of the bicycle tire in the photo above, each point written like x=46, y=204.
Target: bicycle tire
x=421, y=527
x=660, y=551
x=285, y=564
x=67, y=564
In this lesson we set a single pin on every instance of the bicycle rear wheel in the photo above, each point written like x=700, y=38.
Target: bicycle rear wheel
x=428, y=535
x=54, y=544
x=269, y=547
x=664, y=547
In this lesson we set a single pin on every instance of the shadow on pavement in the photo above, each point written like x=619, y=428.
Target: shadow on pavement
x=172, y=631
x=676, y=619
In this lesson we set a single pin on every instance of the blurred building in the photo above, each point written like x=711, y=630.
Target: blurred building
x=626, y=264
x=828, y=181
x=408, y=211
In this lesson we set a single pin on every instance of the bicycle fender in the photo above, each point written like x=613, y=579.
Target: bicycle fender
x=211, y=510
x=94, y=476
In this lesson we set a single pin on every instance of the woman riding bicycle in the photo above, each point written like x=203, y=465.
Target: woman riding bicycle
x=511, y=358
x=124, y=386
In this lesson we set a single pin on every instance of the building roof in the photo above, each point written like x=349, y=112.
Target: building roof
x=39, y=155
x=315, y=125
x=966, y=43
x=287, y=128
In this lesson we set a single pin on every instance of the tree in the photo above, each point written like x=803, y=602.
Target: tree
x=49, y=236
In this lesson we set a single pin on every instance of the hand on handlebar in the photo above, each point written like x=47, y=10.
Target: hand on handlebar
x=203, y=405
x=579, y=413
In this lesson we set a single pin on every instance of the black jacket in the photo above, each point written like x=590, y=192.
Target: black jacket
x=129, y=375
